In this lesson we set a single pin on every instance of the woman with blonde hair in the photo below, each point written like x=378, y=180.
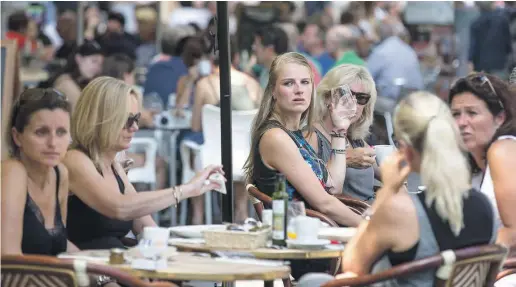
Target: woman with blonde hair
x=104, y=206
x=358, y=180
x=448, y=215
x=278, y=145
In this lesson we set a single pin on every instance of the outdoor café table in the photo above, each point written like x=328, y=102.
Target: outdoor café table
x=185, y=266
x=335, y=251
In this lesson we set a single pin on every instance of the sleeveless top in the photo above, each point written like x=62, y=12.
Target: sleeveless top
x=89, y=229
x=359, y=183
x=487, y=187
x=265, y=178
x=36, y=238
x=436, y=236
x=240, y=100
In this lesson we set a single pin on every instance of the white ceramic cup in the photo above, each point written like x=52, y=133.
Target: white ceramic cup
x=382, y=152
x=158, y=236
x=307, y=228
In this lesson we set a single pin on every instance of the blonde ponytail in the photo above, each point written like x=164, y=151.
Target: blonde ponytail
x=445, y=171
x=424, y=121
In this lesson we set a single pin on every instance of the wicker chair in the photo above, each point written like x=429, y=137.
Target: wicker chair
x=509, y=267
x=473, y=267
x=47, y=271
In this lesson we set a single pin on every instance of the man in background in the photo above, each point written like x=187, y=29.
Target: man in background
x=490, y=47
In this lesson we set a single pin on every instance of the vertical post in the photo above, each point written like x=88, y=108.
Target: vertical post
x=80, y=23
x=225, y=107
x=159, y=26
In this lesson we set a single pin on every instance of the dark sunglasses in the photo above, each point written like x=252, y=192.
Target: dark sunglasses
x=131, y=120
x=362, y=98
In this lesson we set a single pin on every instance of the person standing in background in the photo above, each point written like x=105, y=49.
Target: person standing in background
x=490, y=47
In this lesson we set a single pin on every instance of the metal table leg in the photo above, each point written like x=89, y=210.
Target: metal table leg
x=173, y=173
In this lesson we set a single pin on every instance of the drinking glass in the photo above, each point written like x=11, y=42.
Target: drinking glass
x=295, y=209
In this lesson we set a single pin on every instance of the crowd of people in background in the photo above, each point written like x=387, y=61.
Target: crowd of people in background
x=286, y=65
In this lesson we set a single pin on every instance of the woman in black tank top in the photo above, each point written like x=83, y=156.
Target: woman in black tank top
x=104, y=206
x=447, y=215
x=34, y=183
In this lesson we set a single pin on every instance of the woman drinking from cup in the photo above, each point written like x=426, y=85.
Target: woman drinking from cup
x=484, y=108
x=34, y=182
x=104, y=206
x=352, y=88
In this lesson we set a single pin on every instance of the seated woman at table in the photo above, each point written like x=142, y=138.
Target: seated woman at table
x=84, y=65
x=448, y=215
x=278, y=145
x=121, y=66
x=361, y=170
x=484, y=108
x=104, y=205
x=34, y=182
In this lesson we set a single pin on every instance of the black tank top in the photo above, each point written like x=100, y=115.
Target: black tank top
x=36, y=238
x=89, y=229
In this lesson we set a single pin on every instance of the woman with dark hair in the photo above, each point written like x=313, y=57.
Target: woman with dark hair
x=34, y=181
x=84, y=65
x=484, y=108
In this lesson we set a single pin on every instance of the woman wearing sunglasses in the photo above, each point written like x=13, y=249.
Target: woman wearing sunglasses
x=358, y=180
x=104, y=205
x=484, y=108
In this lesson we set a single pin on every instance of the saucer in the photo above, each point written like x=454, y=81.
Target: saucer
x=307, y=245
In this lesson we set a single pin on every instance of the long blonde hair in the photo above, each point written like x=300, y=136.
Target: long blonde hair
x=100, y=115
x=266, y=110
x=424, y=121
x=348, y=74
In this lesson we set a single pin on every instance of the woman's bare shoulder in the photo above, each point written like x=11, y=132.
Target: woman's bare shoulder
x=75, y=158
x=13, y=167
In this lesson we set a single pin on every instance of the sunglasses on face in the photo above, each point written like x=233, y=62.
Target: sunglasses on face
x=362, y=98
x=131, y=120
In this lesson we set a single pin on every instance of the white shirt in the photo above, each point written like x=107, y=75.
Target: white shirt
x=487, y=187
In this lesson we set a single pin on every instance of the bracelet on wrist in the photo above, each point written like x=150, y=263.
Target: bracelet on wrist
x=338, y=151
x=335, y=134
x=176, y=192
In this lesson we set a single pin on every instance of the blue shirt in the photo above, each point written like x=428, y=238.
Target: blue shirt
x=393, y=59
x=162, y=78
x=326, y=62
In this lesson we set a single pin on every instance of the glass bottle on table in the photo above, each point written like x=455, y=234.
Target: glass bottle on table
x=279, y=212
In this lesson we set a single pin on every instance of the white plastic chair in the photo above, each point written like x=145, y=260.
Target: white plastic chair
x=210, y=151
x=146, y=173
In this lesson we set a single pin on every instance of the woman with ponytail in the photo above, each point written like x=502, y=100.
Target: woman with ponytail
x=449, y=214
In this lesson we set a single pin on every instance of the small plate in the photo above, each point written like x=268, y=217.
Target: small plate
x=307, y=245
x=194, y=231
x=343, y=234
